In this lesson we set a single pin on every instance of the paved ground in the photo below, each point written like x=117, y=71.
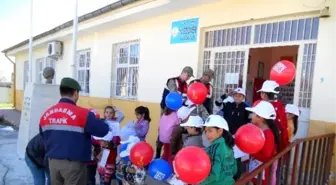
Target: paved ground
x=13, y=171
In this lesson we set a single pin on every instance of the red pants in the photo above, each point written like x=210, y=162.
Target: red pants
x=167, y=154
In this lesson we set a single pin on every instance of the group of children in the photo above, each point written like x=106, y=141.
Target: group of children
x=215, y=133
x=279, y=125
x=105, y=153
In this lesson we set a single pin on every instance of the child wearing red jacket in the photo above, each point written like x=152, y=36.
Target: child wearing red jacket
x=107, y=158
x=92, y=165
x=268, y=92
x=115, y=115
x=263, y=117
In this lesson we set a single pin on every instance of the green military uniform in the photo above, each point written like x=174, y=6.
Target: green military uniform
x=223, y=164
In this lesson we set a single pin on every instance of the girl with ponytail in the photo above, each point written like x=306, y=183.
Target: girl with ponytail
x=142, y=121
x=263, y=115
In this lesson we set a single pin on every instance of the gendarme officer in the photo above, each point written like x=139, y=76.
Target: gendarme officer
x=66, y=129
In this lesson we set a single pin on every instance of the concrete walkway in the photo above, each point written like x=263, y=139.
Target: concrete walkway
x=13, y=170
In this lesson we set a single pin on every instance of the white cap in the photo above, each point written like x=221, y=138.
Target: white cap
x=263, y=109
x=216, y=121
x=107, y=137
x=269, y=87
x=184, y=112
x=194, y=121
x=239, y=91
x=132, y=140
x=293, y=109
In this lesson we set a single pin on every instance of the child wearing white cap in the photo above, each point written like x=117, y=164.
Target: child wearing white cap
x=223, y=163
x=194, y=127
x=263, y=117
x=235, y=113
x=293, y=114
x=269, y=92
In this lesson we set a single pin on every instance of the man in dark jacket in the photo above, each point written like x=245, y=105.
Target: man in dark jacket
x=175, y=84
x=206, y=78
x=66, y=129
x=36, y=161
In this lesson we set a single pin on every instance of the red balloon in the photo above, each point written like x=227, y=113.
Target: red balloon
x=283, y=72
x=250, y=139
x=256, y=103
x=197, y=93
x=96, y=113
x=192, y=165
x=141, y=154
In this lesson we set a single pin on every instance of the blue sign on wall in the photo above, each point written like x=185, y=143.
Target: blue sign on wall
x=184, y=31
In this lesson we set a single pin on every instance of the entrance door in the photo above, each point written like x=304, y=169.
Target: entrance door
x=303, y=92
x=230, y=70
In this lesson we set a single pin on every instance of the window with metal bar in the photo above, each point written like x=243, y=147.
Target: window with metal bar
x=292, y=30
x=83, y=70
x=42, y=63
x=307, y=73
x=228, y=37
x=229, y=68
x=125, y=67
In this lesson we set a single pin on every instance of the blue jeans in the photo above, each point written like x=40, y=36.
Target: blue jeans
x=41, y=176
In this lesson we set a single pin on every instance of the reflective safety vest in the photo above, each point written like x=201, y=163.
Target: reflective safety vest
x=64, y=116
x=63, y=126
x=182, y=88
x=207, y=85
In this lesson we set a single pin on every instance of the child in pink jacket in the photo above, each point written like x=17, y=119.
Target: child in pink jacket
x=169, y=120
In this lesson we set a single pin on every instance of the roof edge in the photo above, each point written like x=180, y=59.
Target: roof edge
x=85, y=17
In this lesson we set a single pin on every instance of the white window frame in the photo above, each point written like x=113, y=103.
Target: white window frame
x=85, y=83
x=46, y=62
x=129, y=85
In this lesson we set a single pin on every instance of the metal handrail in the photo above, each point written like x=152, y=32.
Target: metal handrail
x=303, y=163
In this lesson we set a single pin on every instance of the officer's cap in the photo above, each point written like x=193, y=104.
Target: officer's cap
x=70, y=83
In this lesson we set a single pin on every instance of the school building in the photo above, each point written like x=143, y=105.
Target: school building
x=126, y=51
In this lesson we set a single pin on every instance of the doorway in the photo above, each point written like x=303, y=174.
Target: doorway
x=260, y=62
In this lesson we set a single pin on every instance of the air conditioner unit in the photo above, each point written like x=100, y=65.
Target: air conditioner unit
x=55, y=49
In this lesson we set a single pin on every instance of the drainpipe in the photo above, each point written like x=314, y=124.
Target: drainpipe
x=14, y=79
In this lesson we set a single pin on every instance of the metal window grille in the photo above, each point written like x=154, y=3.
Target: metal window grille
x=25, y=74
x=292, y=30
x=125, y=69
x=83, y=70
x=229, y=68
x=307, y=73
x=228, y=37
x=42, y=63
x=206, y=60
